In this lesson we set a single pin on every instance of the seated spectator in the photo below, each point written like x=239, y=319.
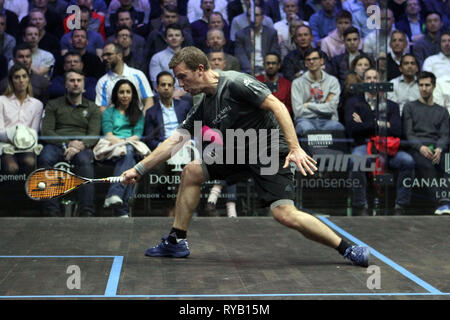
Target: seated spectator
x=136, y=15
x=289, y=45
x=122, y=125
x=7, y=41
x=161, y=121
x=217, y=59
x=215, y=41
x=243, y=20
x=133, y=54
x=217, y=21
x=23, y=54
x=157, y=7
x=18, y=107
x=430, y=44
x=351, y=79
x=291, y=10
x=340, y=65
x=294, y=63
x=96, y=22
x=54, y=21
x=399, y=46
x=164, y=117
x=176, y=16
x=156, y=39
x=411, y=23
x=138, y=44
x=160, y=61
x=47, y=41
x=441, y=94
x=334, y=43
x=323, y=22
x=195, y=10
x=98, y=6
x=96, y=42
x=58, y=6
x=43, y=61
x=426, y=127
x=11, y=18
x=315, y=97
x=360, y=17
x=439, y=64
x=378, y=40
x=93, y=66
x=72, y=61
x=199, y=27
x=280, y=86
x=405, y=86
x=118, y=69
x=364, y=121
x=263, y=38
x=71, y=116
x=360, y=64
x=139, y=5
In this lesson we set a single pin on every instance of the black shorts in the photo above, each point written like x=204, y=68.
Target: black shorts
x=273, y=190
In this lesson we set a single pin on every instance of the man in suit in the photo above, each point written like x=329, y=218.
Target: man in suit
x=412, y=22
x=259, y=36
x=160, y=122
x=167, y=113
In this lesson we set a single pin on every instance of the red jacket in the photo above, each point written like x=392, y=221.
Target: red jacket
x=99, y=23
x=283, y=93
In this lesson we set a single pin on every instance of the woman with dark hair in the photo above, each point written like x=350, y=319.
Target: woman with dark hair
x=20, y=118
x=360, y=64
x=122, y=125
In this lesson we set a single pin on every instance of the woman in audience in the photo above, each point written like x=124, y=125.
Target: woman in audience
x=122, y=125
x=360, y=64
x=20, y=118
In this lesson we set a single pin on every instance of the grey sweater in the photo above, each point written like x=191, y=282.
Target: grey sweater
x=425, y=125
x=302, y=91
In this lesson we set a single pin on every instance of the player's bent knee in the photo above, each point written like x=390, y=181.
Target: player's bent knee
x=193, y=173
x=287, y=215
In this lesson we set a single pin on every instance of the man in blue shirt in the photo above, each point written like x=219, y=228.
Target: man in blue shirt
x=323, y=21
x=160, y=122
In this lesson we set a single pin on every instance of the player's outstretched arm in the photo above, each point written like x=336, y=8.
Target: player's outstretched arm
x=304, y=162
x=162, y=153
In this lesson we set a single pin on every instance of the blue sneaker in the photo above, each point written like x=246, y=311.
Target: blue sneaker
x=443, y=209
x=167, y=249
x=358, y=255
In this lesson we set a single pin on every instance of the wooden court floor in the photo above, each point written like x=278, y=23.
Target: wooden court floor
x=242, y=258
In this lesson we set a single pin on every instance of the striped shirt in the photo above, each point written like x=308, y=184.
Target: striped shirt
x=12, y=113
x=106, y=84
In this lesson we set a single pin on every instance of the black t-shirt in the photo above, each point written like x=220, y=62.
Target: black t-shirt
x=236, y=105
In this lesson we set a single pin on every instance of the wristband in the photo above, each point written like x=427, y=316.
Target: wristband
x=140, y=168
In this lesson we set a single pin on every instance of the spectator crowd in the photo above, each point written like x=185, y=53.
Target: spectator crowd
x=92, y=82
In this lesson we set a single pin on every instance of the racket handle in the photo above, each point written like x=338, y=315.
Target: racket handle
x=115, y=179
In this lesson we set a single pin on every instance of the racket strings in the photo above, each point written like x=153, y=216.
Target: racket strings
x=56, y=184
